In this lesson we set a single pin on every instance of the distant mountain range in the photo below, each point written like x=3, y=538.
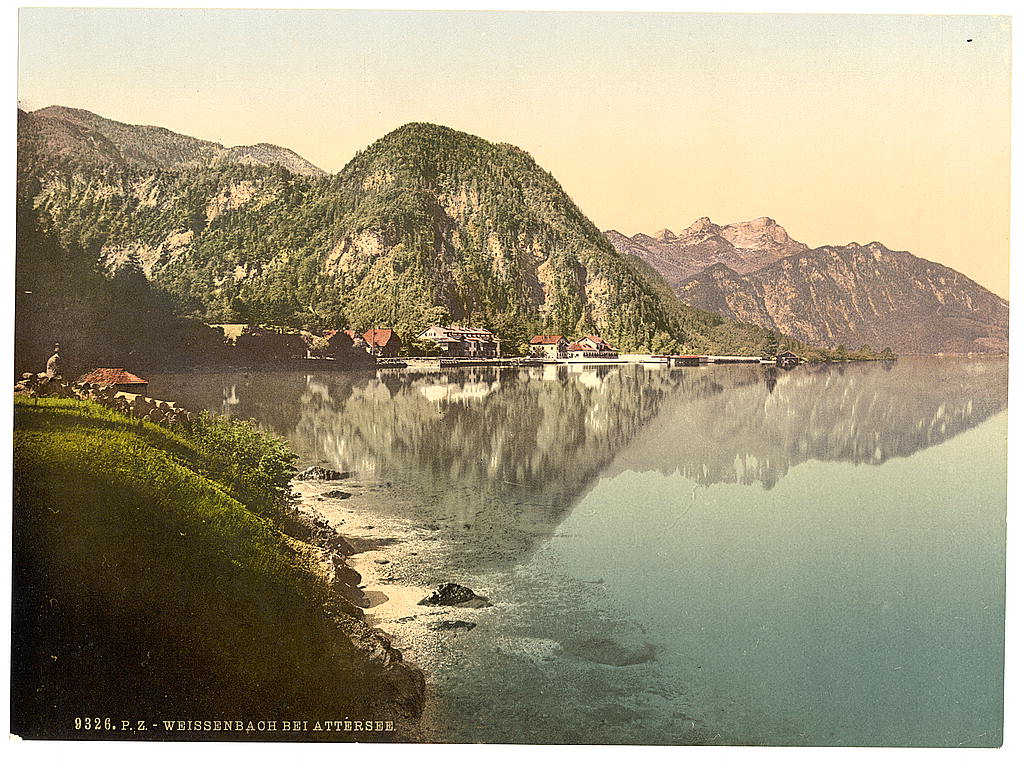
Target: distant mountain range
x=427, y=225
x=833, y=295
x=432, y=225
x=62, y=135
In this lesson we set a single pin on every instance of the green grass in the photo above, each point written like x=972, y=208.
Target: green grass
x=143, y=587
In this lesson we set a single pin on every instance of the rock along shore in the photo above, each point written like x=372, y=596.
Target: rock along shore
x=401, y=684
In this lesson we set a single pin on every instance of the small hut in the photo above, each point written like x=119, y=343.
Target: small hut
x=116, y=377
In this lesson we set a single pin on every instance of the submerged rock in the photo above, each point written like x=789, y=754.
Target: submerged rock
x=317, y=473
x=455, y=595
x=444, y=626
x=337, y=494
x=609, y=652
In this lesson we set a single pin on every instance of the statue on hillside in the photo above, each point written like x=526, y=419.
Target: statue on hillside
x=53, y=363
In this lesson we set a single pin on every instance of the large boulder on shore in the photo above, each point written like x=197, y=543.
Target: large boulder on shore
x=317, y=473
x=455, y=595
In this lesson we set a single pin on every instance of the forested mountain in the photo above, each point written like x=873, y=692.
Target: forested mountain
x=833, y=295
x=426, y=225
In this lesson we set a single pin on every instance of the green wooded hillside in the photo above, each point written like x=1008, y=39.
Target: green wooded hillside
x=426, y=225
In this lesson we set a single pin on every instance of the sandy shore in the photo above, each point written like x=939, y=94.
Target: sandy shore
x=400, y=564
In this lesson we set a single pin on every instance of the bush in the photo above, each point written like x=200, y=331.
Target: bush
x=255, y=466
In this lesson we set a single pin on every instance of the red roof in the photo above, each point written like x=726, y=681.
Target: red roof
x=577, y=347
x=546, y=339
x=111, y=376
x=379, y=336
x=599, y=343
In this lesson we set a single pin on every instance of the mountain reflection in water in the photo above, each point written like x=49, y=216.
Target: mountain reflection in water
x=498, y=456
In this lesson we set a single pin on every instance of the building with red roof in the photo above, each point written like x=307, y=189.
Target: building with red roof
x=591, y=347
x=382, y=342
x=117, y=377
x=548, y=346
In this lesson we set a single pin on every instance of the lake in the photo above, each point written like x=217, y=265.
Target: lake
x=730, y=554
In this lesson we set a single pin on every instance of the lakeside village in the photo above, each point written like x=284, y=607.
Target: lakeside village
x=452, y=346
x=455, y=345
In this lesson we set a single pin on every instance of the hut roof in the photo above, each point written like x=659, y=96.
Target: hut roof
x=546, y=339
x=111, y=376
x=379, y=336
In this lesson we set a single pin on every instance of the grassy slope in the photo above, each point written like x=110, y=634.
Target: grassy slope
x=144, y=589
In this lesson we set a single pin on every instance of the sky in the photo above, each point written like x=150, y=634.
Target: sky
x=841, y=128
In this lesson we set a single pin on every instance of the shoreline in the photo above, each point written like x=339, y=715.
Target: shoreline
x=396, y=564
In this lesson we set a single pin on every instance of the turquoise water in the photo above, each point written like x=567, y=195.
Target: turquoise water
x=804, y=557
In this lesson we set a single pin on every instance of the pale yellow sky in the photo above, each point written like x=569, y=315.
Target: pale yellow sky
x=842, y=128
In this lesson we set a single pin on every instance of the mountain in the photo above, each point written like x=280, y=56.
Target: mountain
x=743, y=247
x=833, y=295
x=427, y=225
x=56, y=135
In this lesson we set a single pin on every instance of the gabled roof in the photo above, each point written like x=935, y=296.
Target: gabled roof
x=379, y=336
x=546, y=339
x=576, y=347
x=461, y=333
x=599, y=342
x=111, y=376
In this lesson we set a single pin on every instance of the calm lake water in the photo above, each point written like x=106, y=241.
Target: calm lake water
x=813, y=556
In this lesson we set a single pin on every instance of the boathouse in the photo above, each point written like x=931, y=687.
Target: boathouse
x=787, y=359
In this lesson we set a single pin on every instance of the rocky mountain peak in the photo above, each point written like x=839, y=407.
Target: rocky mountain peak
x=742, y=247
x=704, y=224
x=703, y=227
x=760, y=233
